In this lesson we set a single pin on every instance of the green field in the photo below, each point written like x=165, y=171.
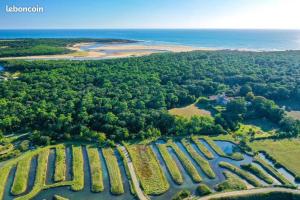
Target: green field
x=282, y=152
x=189, y=111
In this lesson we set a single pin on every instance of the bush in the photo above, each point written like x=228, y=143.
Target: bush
x=203, y=190
x=181, y=195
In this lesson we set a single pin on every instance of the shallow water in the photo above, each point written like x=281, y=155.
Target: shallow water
x=228, y=147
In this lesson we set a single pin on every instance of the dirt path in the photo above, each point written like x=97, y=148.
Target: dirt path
x=134, y=178
x=249, y=192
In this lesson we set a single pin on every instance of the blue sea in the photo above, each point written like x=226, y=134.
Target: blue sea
x=206, y=38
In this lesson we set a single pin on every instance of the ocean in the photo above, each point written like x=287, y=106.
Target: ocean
x=206, y=38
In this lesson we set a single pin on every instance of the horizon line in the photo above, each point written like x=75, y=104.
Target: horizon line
x=179, y=28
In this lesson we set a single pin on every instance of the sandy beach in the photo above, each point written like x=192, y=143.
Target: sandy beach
x=111, y=51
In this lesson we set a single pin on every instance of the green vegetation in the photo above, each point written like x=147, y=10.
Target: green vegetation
x=148, y=170
x=203, y=190
x=235, y=156
x=231, y=183
x=258, y=172
x=141, y=90
x=57, y=197
x=41, y=175
x=60, y=163
x=96, y=169
x=188, y=165
x=272, y=171
x=170, y=163
x=264, y=196
x=4, y=173
x=202, y=148
x=116, y=183
x=243, y=174
x=21, y=177
x=181, y=195
x=281, y=152
x=78, y=168
x=202, y=162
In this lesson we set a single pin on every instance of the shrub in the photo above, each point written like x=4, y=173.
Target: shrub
x=203, y=190
x=181, y=195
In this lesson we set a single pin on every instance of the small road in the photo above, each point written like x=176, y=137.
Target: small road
x=139, y=192
x=249, y=192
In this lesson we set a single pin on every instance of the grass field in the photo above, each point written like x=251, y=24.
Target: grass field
x=21, y=177
x=202, y=162
x=96, y=169
x=148, y=170
x=188, y=165
x=116, y=183
x=171, y=164
x=60, y=163
x=283, y=152
x=41, y=175
x=235, y=156
x=272, y=171
x=78, y=168
x=202, y=148
x=243, y=174
x=258, y=172
x=189, y=111
x=294, y=114
x=4, y=173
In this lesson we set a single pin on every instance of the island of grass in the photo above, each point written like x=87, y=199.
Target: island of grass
x=245, y=175
x=96, y=169
x=148, y=170
x=171, y=164
x=202, y=162
x=60, y=163
x=115, y=177
x=21, y=177
x=258, y=172
x=78, y=168
x=188, y=165
x=202, y=148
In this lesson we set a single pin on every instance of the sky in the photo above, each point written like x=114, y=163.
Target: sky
x=192, y=14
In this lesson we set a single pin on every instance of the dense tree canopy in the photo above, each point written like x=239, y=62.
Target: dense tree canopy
x=128, y=98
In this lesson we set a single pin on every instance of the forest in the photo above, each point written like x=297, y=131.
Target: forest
x=50, y=46
x=126, y=99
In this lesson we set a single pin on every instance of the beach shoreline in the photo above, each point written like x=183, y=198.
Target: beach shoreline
x=90, y=50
